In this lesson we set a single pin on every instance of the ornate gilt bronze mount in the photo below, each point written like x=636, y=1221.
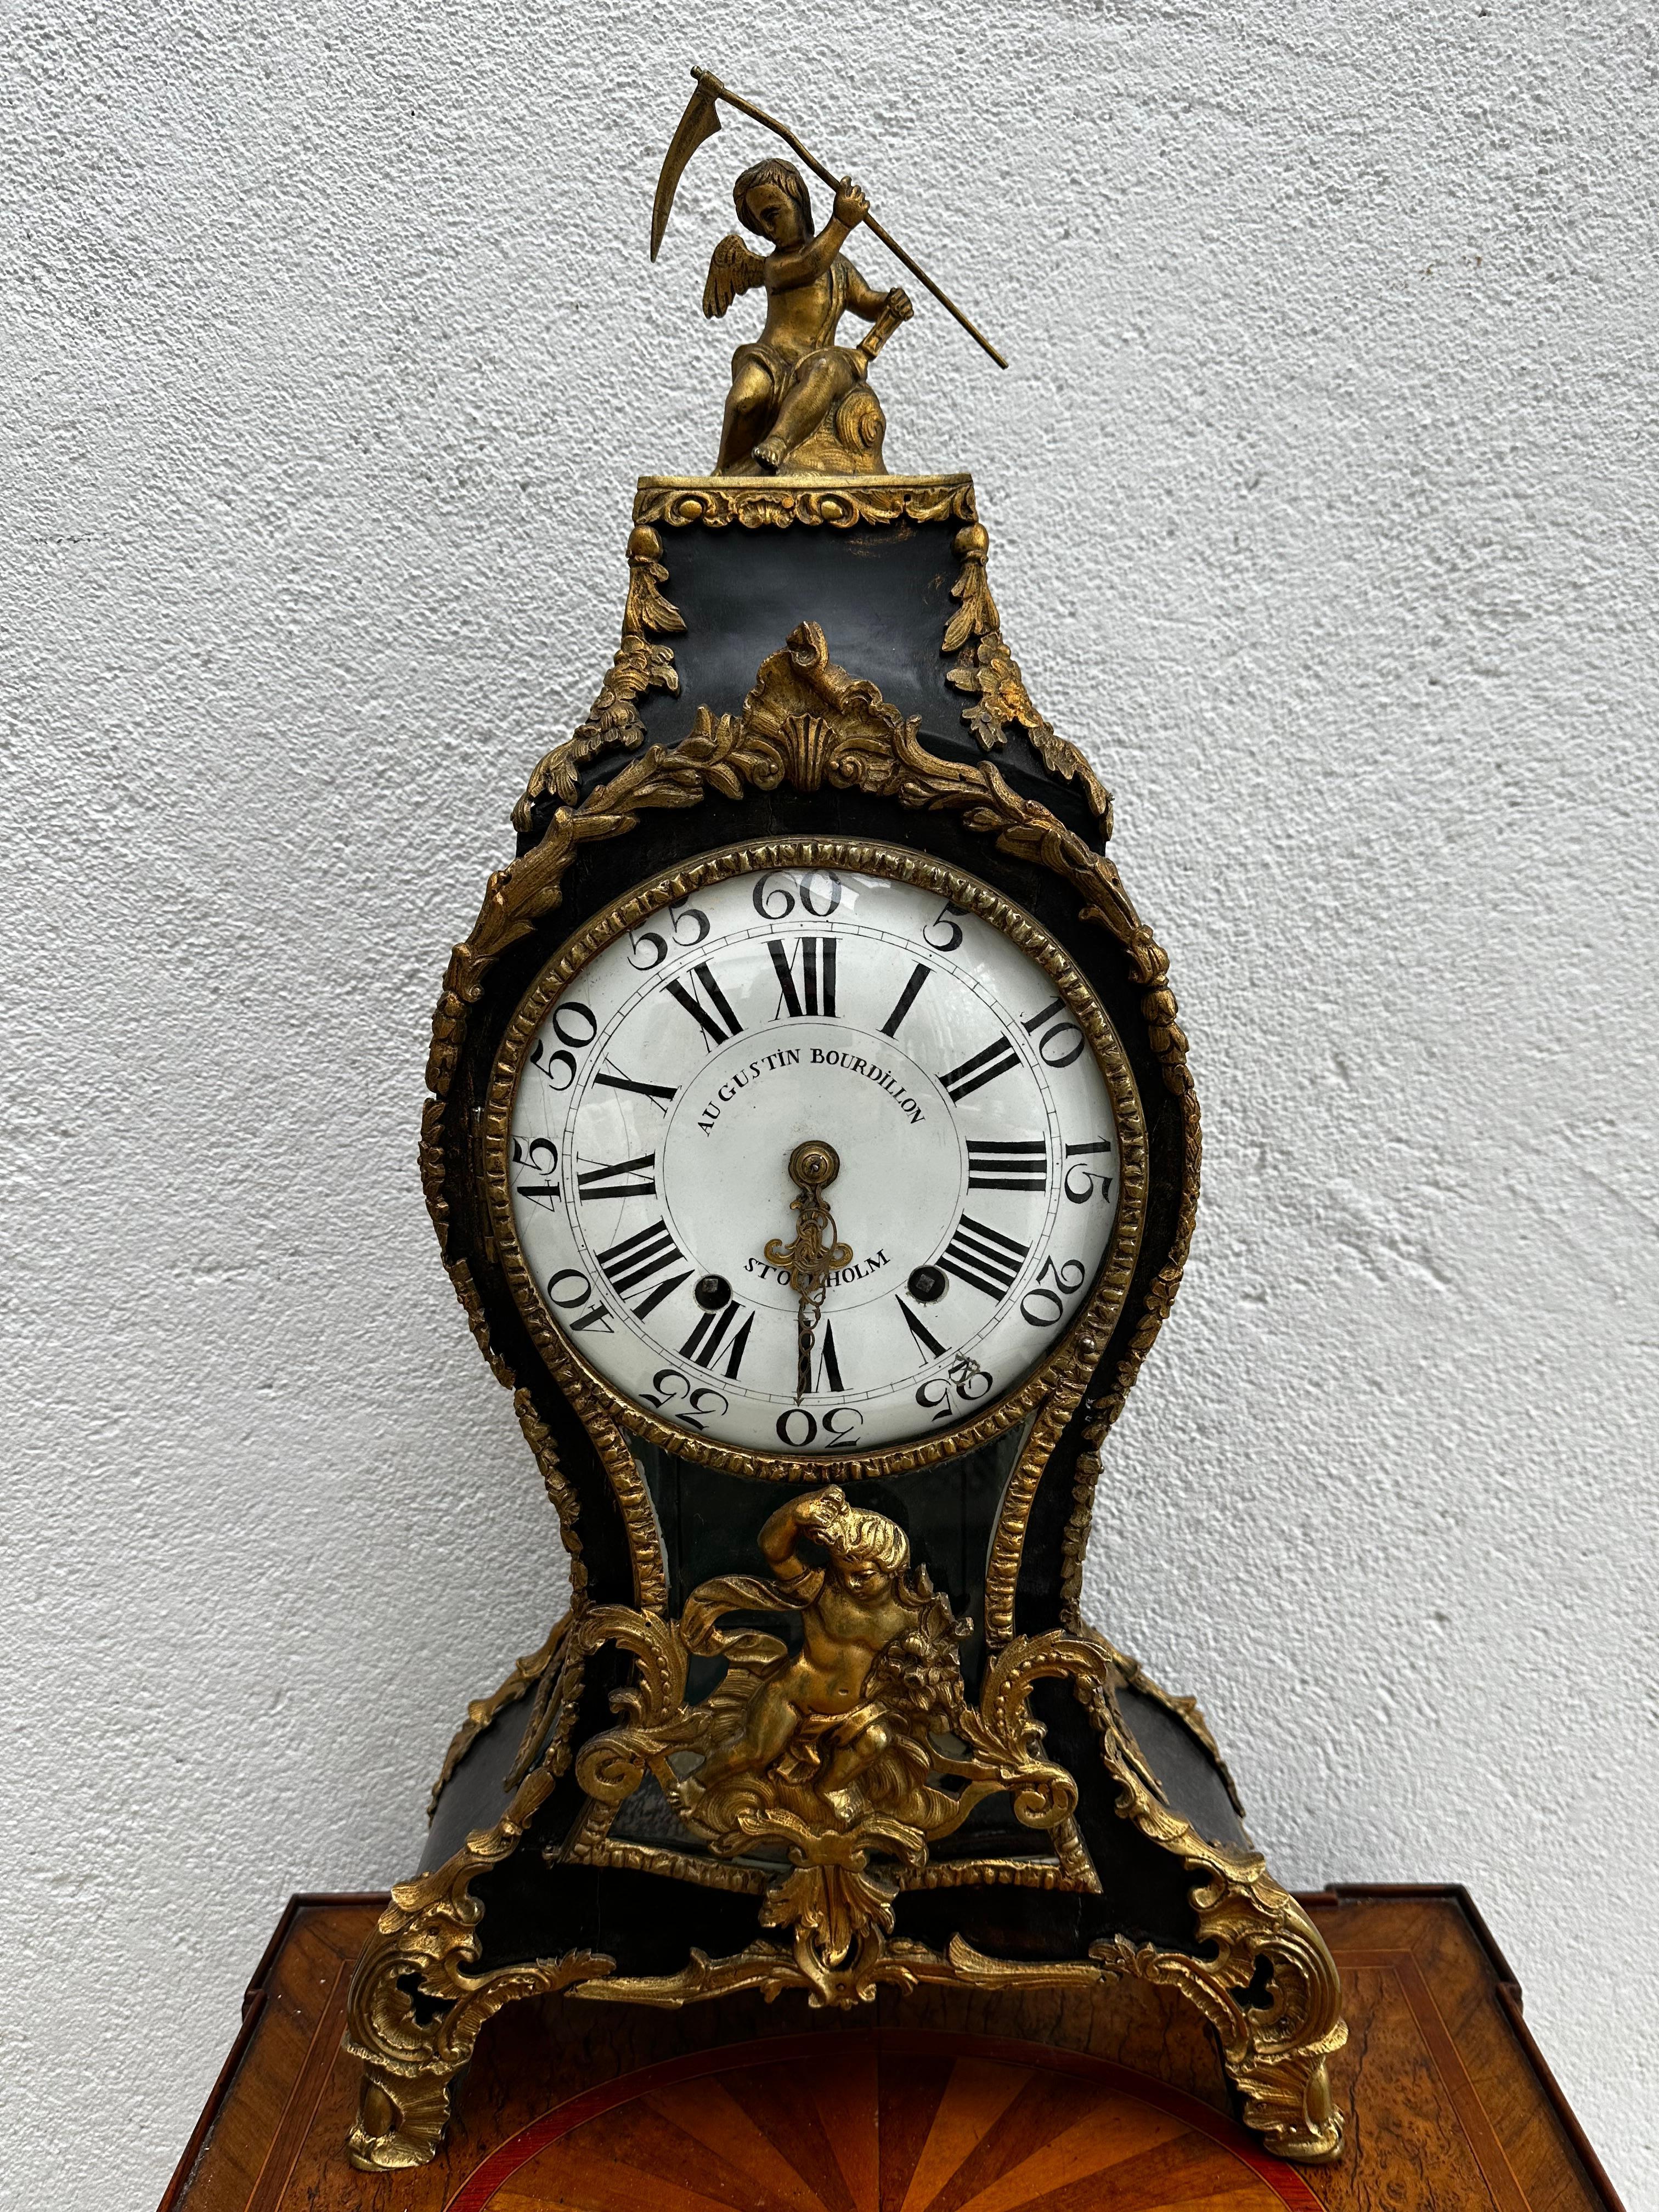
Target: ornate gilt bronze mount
x=973, y=658
x=829, y=1726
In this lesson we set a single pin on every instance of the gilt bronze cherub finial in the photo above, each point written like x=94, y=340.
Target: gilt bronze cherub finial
x=798, y=402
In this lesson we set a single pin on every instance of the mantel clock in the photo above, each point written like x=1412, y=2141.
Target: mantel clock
x=812, y=1146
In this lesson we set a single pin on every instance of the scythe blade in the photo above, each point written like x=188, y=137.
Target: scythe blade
x=700, y=120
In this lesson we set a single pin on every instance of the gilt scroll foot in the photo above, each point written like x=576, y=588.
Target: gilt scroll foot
x=1275, y=2045
x=415, y=2011
x=1288, y=2103
x=401, y=2118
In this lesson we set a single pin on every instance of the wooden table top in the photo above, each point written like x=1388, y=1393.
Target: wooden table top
x=939, y=2101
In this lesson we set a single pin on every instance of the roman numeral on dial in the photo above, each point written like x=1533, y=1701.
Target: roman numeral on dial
x=1015, y=1163
x=622, y=1179
x=630, y=1265
x=825, y=1371
x=816, y=994
x=984, y=1067
x=716, y=1021
x=661, y=1095
x=709, y=1338
x=925, y=1341
x=907, y=998
x=984, y=1258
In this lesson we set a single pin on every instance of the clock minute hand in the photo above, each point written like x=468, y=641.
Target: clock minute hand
x=814, y=1253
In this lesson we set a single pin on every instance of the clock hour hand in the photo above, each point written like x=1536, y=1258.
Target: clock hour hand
x=814, y=1253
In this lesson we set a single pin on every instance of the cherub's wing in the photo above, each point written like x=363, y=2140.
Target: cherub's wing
x=732, y=269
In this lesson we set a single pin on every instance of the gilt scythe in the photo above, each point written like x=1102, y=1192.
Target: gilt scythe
x=702, y=121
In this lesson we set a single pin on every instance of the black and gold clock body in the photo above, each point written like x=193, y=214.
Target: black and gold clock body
x=816, y=882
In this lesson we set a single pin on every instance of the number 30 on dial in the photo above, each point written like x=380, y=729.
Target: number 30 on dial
x=818, y=1158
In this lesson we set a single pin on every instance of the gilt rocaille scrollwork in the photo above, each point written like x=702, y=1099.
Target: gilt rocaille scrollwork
x=1277, y=2042
x=851, y=1756
x=613, y=721
x=775, y=502
x=851, y=1776
x=410, y=2067
x=734, y=1786
x=984, y=667
x=1278, y=2051
x=414, y=2008
x=811, y=725
x=989, y=673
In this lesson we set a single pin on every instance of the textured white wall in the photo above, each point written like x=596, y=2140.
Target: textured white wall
x=1327, y=461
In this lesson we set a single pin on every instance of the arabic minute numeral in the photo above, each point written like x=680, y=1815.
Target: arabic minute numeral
x=944, y=931
x=798, y=1429
x=968, y=1378
x=541, y=1156
x=1059, y=1041
x=678, y=1398
x=561, y=1296
x=934, y=1398
x=574, y=1025
x=1045, y=1302
x=655, y=944
x=818, y=889
x=1081, y=1181
x=965, y=1376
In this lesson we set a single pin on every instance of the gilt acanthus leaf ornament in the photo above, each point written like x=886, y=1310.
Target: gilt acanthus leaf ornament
x=853, y=1786
x=986, y=670
x=641, y=666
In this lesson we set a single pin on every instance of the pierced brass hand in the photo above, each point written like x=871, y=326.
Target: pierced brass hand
x=813, y=1253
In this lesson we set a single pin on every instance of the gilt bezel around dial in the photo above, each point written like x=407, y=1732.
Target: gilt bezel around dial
x=1068, y=1359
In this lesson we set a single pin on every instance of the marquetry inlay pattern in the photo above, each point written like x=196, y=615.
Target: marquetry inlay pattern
x=879, y=2123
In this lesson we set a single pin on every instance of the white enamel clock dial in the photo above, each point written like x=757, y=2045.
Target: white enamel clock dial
x=977, y=1181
